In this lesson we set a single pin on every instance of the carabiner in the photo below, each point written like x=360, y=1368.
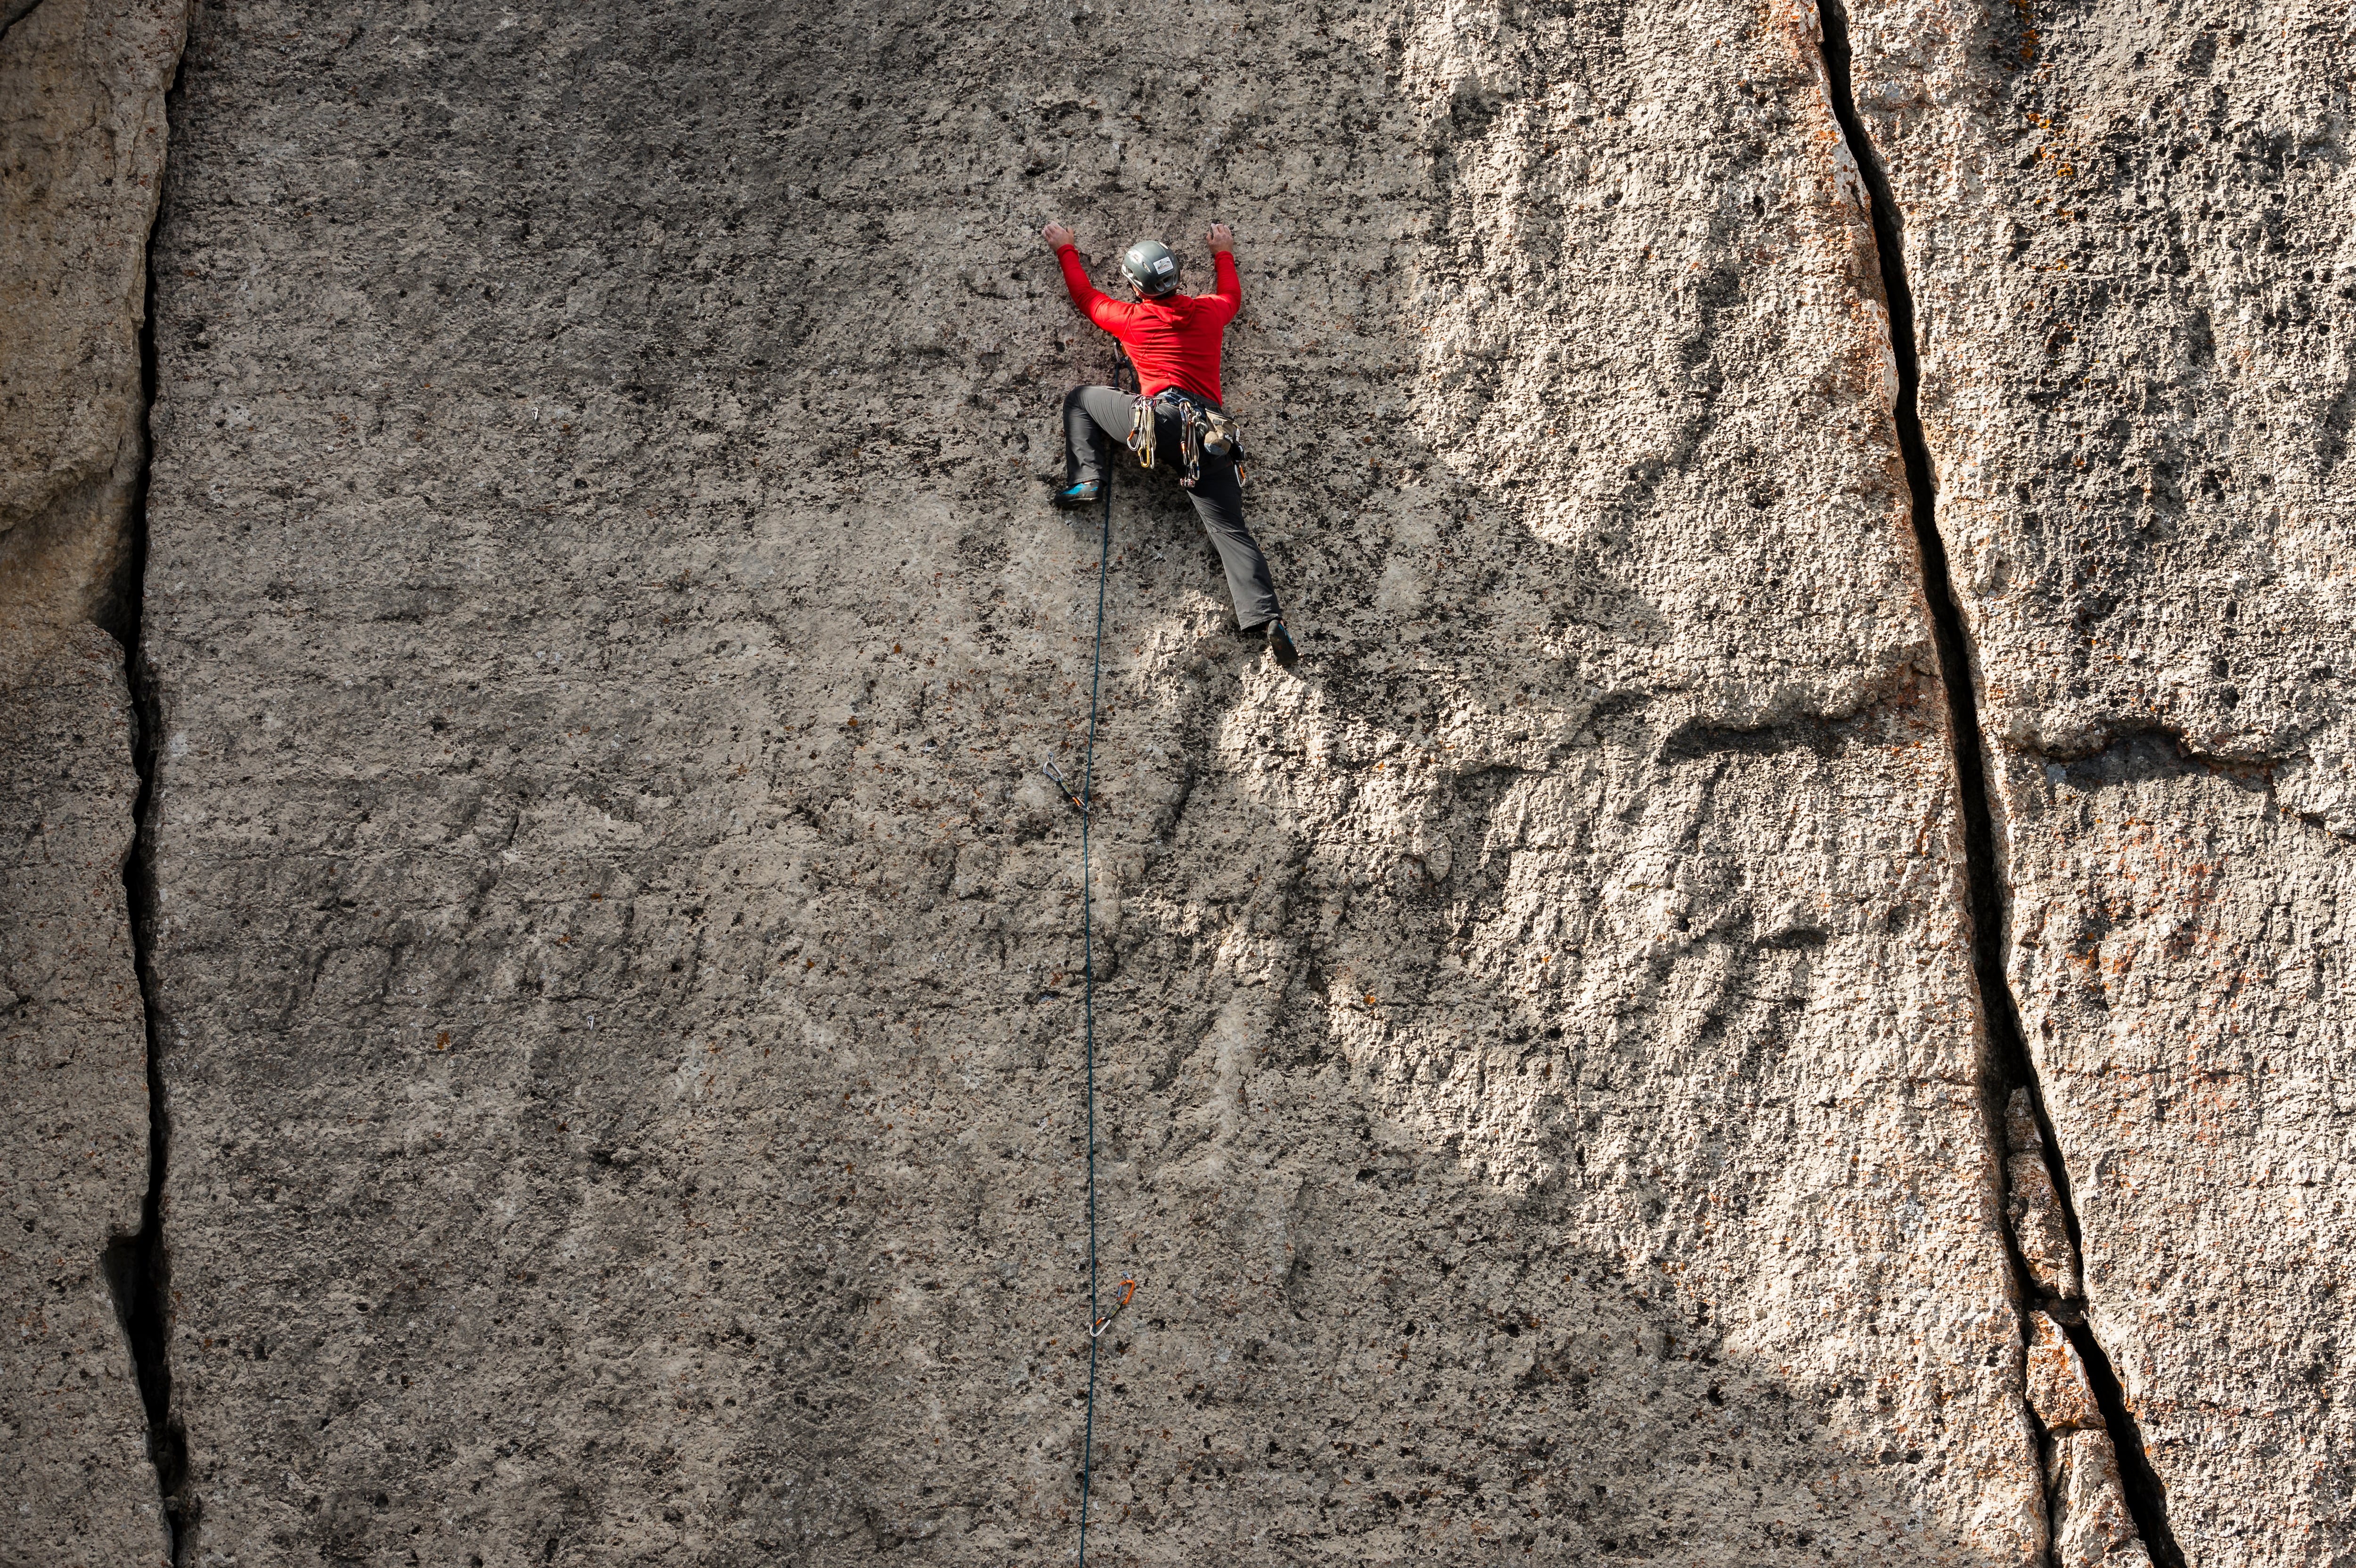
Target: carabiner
x=1140, y=432
x=1096, y=1329
x=1056, y=777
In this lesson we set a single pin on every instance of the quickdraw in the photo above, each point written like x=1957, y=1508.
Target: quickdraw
x=1128, y=1289
x=1056, y=777
x=1140, y=432
x=1190, y=441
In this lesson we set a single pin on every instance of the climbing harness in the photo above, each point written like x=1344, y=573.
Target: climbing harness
x=1200, y=430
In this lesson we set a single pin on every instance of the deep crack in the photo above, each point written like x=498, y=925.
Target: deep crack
x=14, y=11
x=2012, y=1066
x=139, y=1268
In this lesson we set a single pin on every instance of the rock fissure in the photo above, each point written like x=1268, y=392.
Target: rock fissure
x=2314, y=820
x=2013, y=1070
x=14, y=11
x=141, y=1268
x=2183, y=755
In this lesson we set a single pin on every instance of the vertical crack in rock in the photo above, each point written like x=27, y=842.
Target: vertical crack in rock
x=140, y=1267
x=2045, y=1266
x=14, y=11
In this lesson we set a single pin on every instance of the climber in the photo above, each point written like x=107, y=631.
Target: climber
x=1174, y=340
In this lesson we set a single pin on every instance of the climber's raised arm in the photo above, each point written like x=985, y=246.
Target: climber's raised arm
x=1228, y=297
x=1095, y=303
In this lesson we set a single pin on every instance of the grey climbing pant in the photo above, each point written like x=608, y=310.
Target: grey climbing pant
x=1096, y=417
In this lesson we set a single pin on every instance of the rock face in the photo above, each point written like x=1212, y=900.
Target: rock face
x=621, y=963
x=81, y=145
x=82, y=117
x=2130, y=232
x=631, y=1051
x=2083, y=1491
x=73, y=1053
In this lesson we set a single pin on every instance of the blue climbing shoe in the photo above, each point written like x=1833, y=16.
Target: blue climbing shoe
x=1279, y=644
x=1072, y=497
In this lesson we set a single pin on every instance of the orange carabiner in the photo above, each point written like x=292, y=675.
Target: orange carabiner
x=1128, y=1289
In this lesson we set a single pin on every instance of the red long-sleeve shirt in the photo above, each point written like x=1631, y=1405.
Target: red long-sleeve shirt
x=1172, y=340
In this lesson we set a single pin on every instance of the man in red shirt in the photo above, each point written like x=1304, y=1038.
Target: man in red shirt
x=1174, y=339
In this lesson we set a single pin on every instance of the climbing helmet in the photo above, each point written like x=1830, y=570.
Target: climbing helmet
x=1152, y=267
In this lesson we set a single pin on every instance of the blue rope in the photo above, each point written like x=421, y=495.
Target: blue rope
x=1088, y=995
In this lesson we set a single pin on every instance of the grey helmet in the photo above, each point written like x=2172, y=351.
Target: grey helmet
x=1152, y=267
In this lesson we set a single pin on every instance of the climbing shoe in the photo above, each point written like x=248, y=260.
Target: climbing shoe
x=1279, y=644
x=1072, y=497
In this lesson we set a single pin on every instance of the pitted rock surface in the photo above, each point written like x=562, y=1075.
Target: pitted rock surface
x=81, y=121
x=81, y=149
x=72, y=1054
x=617, y=958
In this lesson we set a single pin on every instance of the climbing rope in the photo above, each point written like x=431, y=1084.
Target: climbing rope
x=1088, y=998
x=1083, y=803
x=1097, y=1321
